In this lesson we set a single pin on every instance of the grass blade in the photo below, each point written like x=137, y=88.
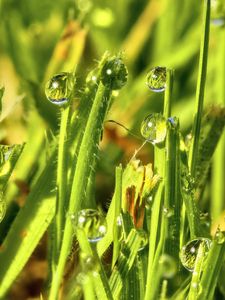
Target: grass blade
x=200, y=87
x=27, y=229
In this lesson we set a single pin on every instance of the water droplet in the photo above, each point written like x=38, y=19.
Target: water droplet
x=220, y=236
x=168, y=265
x=59, y=88
x=168, y=212
x=189, y=252
x=114, y=74
x=188, y=140
x=173, y=121
x=119, y=221
x=156, y=79
x=93, y=224
x=217, y=12
x=80, y=279
x=195, y=285
x=92, y=78
x=89, y=263
x=148, y=202
x=188, y=183
x=2, y=207
x=144, y=239
x=153, y=128
x=205, y=220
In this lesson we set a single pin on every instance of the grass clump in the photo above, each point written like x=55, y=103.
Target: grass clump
x=108, y=212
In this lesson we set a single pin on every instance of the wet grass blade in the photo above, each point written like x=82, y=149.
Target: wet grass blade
x=85, y=161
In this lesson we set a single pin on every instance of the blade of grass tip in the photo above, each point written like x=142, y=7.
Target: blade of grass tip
x=211, y=270
x=159, y=165
x=118, y=201
x=168, y=93
x=163, y=290
x=218, y=171
x=200, y=87
x=77, y=126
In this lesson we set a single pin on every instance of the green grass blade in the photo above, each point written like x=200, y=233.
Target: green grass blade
x=125, y=262
x=118, y=201
x=61, y=180
x=88, y=150
x=218, y=172
x=8, y=158
x=211, y=271
x=198, y=268
x=156, y=215
x=172, y=197
x=212, y=128
x=99, y=279
x=27, y=229
x=200, y=87
x=187, y=192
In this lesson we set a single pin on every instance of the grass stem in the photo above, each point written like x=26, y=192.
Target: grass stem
x=200, y=88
